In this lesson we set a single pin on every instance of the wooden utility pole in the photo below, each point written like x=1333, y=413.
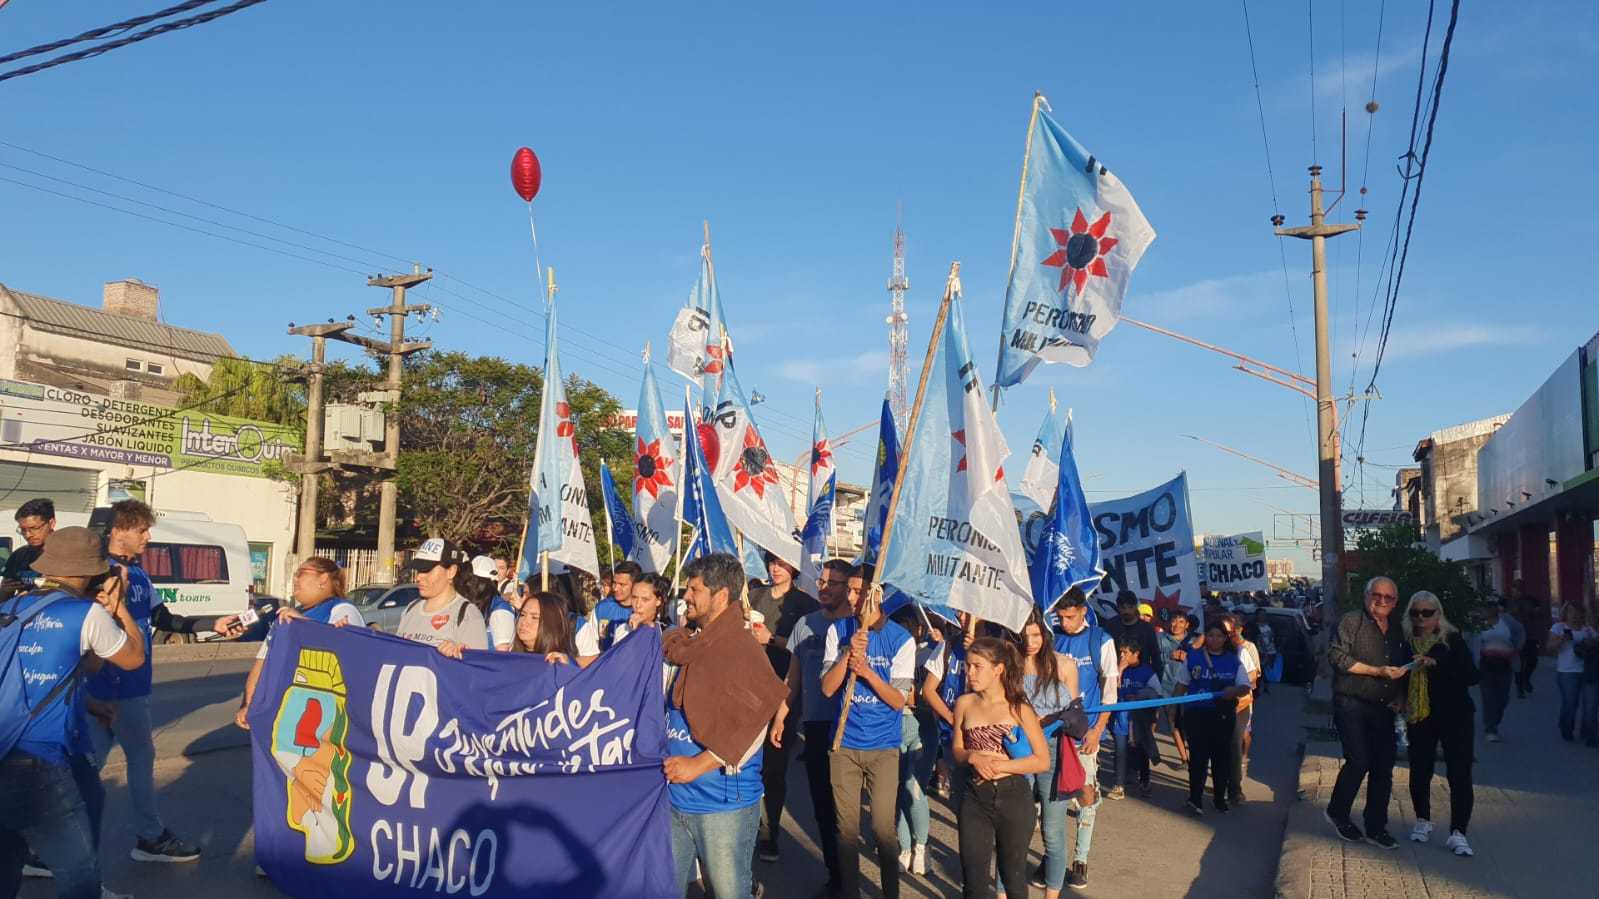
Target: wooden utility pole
x=1332, y=528
x=397, y=350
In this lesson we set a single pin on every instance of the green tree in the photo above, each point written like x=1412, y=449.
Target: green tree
x=1398, y=552
x=468, y=430
x=246, y=389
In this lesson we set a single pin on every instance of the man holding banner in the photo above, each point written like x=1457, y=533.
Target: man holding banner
x=721, y=698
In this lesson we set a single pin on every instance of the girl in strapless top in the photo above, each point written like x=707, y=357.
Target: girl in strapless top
x=996, y=807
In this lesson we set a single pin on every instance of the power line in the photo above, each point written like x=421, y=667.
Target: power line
x=1276, y=209
x=103, y=31
x=91, y=52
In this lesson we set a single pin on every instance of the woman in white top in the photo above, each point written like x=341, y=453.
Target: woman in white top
x=1566, y=637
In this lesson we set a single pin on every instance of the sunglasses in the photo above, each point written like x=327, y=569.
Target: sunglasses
x=1423, y=613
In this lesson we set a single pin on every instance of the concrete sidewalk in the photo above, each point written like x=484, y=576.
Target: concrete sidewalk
x=1535, y=806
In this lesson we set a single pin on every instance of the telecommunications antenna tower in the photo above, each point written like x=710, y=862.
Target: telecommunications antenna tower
x=897, y=338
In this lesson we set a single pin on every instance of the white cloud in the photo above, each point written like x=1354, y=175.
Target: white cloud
x=1424, y=340
x=840, y=368
x=1212, y=296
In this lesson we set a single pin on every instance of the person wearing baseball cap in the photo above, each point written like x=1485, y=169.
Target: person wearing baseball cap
x=483, y=589
x=50, y=795
x=441, y=617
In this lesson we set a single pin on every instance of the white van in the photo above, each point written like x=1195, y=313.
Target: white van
x=200, y=568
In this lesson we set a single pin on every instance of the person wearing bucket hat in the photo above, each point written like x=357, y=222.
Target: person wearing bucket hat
x=48, y=796
x=441, y=617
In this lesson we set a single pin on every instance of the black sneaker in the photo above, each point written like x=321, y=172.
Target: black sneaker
x=1078, y=877
x=767, y=850
x=164, y=848
x=1221, y=805
x=1037, y=879
x=1194, y=807
x=1382, y=840
x=1346, y=829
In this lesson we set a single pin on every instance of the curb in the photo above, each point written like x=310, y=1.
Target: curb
x=205, y=652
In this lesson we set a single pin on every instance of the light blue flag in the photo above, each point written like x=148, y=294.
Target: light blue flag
x=1068, y=551
x=813, y=538
x=656, y=471
x=616, y=512
x=718, y=354
x=883, y=474
x=1037, y=487
x=702, y=510
x=550, y=464
x=953, y=537
x=754, y=561
x=1080, y=235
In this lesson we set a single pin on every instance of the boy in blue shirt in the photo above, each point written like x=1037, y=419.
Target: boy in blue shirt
x=882, y=655
x=1134, y=730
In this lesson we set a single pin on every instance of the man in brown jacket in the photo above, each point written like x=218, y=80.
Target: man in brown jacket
x=721, y=699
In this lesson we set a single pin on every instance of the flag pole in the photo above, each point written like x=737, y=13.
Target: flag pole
x=871, y=604
x=1016, y=234
x=549, y=302
x=682, y=469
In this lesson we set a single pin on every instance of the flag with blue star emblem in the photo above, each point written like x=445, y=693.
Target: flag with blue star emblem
x=1079, y=237
x=1068, y=550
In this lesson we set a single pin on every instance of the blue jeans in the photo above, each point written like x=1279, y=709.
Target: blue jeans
x=914, y=820
x=133, y=734
x=1577, y=696
x=42, y=808
x=724, y=843
x=1053, y=819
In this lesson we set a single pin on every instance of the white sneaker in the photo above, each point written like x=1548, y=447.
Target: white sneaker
x=1422, y=832
x=919, y=860
x=905, y=860
x=1493, y=736
x=107, y=894
x=1458, y=845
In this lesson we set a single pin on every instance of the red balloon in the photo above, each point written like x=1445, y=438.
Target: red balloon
x=525, y=174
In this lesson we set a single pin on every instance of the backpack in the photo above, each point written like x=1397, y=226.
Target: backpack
x=15, y=714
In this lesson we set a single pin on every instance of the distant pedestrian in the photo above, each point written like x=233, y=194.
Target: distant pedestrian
x=1367, y=655
x=1265, y=639
x=1174, y=650
x=1439, y=713
x=1532, y=612
x=1566, y=642
x=1499, y=649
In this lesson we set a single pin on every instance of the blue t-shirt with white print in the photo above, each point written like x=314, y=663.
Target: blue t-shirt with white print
x=891, y=654
x=715, y=790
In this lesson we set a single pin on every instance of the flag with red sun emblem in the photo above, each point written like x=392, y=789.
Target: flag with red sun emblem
x=753, y=496
x=954, y=539
x=656, y=476
x=558, y=509
x=819, y=496
x=1079, y=237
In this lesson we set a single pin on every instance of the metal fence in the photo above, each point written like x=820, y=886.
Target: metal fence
x=361, y=565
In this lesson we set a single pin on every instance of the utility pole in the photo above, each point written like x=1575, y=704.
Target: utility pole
x=1327, y=451
x=397, y=349
x=311, y=464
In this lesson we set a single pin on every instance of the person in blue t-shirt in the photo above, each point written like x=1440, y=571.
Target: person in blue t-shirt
x=818, y=711
x=1214, y=669
x=722, y=699
x=1134, y=730
x=1097, y=683
x=882, y=656
x=128, y=693
x=48, y=794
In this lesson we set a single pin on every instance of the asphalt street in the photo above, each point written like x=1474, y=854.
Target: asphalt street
x=1142, y=847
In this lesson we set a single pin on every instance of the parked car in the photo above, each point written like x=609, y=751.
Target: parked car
x=1293, y=635
x=382, y=609
x=365, y=593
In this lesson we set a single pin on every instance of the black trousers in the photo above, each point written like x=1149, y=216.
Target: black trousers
x=1455, y=733
x=1529, y=663
x=995, y=816
x=774, y=781
x=1366, y=730
x=819, y=774
x=1209, y=732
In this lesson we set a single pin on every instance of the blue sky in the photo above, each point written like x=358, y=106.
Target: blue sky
x=795, y=132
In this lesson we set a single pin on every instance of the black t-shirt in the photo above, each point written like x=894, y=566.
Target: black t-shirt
x=781, y=616
x=21, y=561
x=1140, y=632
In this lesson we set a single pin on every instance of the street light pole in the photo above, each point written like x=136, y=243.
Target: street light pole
x=1332, y=529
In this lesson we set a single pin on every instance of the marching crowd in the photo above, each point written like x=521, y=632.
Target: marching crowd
x=1009, y=729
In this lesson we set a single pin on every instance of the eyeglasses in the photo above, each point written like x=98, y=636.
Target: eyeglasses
x=1423, y=613
x=1385, y=598
x=33, y=530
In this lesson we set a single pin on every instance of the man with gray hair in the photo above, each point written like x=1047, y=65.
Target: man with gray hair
x=1368, y=656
